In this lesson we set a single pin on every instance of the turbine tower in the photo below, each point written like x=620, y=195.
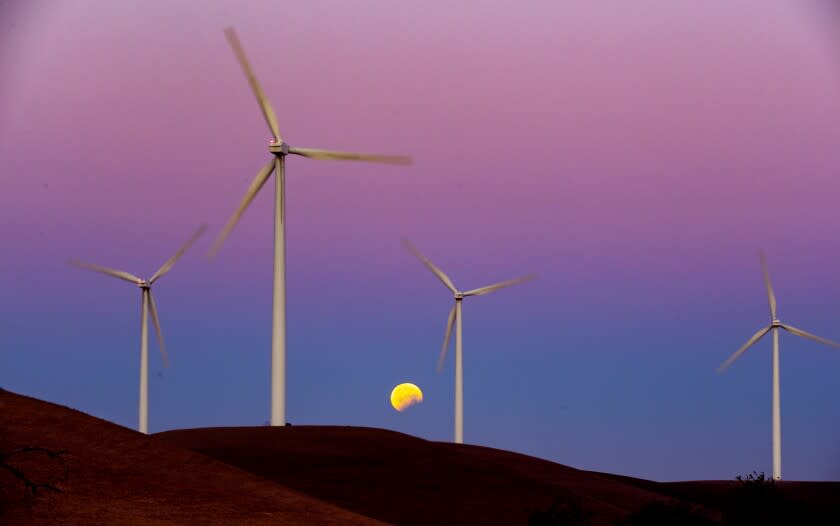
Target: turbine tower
x=774, y=326
x=279, y=150
x=147, y=305
x=455, y=316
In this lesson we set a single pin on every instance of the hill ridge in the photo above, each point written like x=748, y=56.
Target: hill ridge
x=119, y=476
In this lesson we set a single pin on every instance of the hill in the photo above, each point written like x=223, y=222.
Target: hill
x=108, y=474
x=118, y=476
x=818, y=501
x=409, y=481
x=406, y=480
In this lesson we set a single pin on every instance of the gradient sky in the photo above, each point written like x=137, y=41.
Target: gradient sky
x=635, y=155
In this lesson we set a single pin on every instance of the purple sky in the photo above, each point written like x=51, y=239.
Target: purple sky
x=635, y=155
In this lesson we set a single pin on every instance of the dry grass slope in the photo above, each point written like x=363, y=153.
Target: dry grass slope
x=309, y=475
x=408, y=481
x=118, y=476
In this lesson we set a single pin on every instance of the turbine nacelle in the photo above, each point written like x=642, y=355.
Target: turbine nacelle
x=458, y=295
x=775, y=324
x=278, y=148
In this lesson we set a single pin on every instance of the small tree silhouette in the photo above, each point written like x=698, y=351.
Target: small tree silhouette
x=755, y=500
x=756, y=480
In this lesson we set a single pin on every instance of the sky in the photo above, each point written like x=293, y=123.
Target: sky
x=635, y=156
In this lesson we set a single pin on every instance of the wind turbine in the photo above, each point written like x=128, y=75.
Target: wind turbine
x=774, y=326
x=280, y=149
x=147, y=306
x=455, y=316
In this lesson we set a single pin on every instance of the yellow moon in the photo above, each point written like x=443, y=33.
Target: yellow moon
x=405, y=395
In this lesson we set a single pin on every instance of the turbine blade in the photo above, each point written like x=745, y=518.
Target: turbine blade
x=329, y=155
x=104, y=270
x=800, y=332
x=268, y=112
x=156, y=321
x=757, y=336
x=771, y=298
x=431, y=266
x=446, y=339
x=256, y=185
x=501, y=285
x=168, y=265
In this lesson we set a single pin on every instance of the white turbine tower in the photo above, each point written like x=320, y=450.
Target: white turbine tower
x=279, y=149
x=455, y=316
x=774, y=326
x=147, y=306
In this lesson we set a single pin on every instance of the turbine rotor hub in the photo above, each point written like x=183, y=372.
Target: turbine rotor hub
x=144, y=284
x=459, y=296
x=776, y=323
x=278, y=148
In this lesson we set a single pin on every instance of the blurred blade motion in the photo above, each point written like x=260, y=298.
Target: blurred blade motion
x=771, y=298
x=166, y=267
x=267, y=110
x=257, y=184
x=104, y=270
x=757, y=336
x=500, y=285
x=447, y=336
x=431, y=266
x=808, y=335
x=156, y=322
x=329, y=155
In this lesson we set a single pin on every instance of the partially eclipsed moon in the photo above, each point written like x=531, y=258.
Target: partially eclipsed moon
x=405, y=395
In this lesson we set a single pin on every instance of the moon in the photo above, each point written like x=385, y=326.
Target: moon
x=405, y=395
